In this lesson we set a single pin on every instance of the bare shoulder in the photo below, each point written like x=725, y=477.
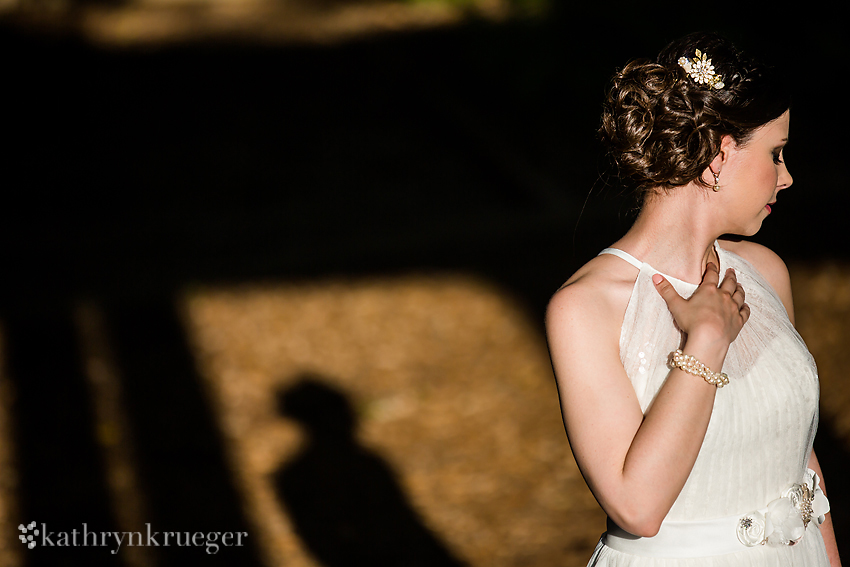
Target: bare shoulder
x=769, y=265
x=593, y=300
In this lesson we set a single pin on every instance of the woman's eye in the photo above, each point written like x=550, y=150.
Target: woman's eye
x=777, y=157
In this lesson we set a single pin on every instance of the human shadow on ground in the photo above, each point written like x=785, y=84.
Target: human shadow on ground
x=345, y=501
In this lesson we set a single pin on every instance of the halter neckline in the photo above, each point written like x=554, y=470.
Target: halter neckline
x=623, y=255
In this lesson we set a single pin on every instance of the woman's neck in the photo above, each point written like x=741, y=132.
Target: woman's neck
x=675, y=234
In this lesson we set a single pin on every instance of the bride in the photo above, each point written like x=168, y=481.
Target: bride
x=689, y=400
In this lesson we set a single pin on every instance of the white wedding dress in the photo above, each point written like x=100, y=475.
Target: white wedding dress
x=758, y=441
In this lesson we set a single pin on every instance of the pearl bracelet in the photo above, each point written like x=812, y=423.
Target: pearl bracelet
x=691, y=365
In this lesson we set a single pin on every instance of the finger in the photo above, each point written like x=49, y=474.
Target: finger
x=730, y=281
x=668, y=292
x=739, y=296
x=745, y=312
x=711, y=275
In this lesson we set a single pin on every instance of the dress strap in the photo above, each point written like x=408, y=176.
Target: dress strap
x=624, y=255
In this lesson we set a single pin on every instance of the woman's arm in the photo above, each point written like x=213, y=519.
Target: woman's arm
x=826, y=529
x=636, y=464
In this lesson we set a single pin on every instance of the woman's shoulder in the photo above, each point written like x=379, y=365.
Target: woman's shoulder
x=767, y=263
x=596, y=295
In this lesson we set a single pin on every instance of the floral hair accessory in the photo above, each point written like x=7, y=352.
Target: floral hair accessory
x=701, y=70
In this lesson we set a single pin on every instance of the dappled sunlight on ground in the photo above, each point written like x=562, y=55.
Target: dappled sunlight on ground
x=158, y=22
x=442, y=384
x=451, y=385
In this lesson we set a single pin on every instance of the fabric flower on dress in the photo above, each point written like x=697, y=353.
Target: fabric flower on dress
x=751, y=529
x=783, y=523
x=821, y=507
x=808, y=498
x=785, y=520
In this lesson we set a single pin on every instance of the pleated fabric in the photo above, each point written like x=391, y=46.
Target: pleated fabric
x=762, y=426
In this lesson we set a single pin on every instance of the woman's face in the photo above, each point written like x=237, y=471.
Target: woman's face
x=754, y=174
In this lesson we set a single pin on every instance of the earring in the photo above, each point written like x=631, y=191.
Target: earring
x=716, y=181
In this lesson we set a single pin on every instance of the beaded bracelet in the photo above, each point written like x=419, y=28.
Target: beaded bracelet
x=693, y=366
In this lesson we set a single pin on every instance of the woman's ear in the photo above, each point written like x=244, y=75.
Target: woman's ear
x=727, y=146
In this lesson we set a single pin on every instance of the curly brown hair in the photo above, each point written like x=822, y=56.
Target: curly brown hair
x=662, y=129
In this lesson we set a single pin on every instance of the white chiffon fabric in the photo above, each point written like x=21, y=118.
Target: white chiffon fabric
x=762, y=426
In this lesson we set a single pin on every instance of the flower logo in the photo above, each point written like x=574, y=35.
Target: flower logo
x=28, y=538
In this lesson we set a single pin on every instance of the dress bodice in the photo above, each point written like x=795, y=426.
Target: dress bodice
x=763, y=423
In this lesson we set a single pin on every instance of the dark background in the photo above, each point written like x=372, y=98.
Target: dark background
x=131, y=173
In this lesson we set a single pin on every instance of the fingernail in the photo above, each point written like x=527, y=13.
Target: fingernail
x=657, y=279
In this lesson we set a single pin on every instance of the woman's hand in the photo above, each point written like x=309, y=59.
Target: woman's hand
x=713, y=316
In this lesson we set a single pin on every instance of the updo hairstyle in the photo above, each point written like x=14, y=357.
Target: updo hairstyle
x=663, y=129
